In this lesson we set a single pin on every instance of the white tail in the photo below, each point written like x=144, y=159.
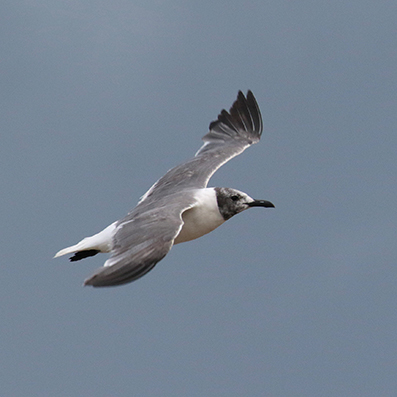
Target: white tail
x=101, y=241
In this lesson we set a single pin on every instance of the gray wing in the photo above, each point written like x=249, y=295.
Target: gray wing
x=228, y=136
x=142, y=239
x=147, y=233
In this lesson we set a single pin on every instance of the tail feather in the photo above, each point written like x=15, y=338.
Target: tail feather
x=100, y=242
x=69, y=250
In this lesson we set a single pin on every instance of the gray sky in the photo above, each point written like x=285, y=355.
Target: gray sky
x=99, y=99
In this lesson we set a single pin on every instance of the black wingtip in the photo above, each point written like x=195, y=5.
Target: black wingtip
x=83, y=254
x=244, y=115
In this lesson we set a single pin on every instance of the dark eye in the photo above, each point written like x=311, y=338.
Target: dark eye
x=234, y=198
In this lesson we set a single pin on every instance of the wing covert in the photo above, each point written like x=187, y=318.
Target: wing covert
x=143, y=238
x=228, y=136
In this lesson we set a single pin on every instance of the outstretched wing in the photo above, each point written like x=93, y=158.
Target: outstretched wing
x=228, y=136
x=148, y=232
x=142, y=239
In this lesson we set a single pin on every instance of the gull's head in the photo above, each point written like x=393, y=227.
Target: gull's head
x=232, y=201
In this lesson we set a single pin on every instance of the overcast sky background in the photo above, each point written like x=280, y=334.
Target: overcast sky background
x=99, y=99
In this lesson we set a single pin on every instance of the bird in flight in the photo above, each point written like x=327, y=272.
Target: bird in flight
x=179, y=207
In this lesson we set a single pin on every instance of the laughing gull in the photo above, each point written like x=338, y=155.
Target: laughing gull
x=179, y=207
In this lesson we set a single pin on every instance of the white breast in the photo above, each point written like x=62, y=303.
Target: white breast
x=203, y=218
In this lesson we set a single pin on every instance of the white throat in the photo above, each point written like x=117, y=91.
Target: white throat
x=202, y=218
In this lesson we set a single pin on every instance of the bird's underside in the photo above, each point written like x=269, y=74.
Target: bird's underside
x=170, y=207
